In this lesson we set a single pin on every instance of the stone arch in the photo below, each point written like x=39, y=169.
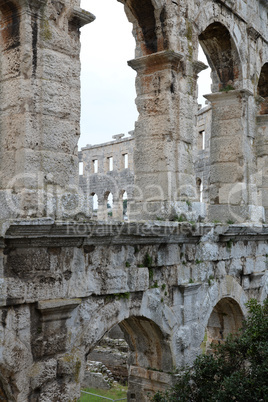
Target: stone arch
x=227, y=288
x=143, y=12
x=222, y=55
x=263, y=88
x=226, y=318
x=147, y=343
x=147, y=334
x=10, y=25
x=135, y=326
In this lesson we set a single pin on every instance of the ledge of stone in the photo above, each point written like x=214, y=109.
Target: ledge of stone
x=57, y=309
x=226, y=95
x=164, y=58
x=82, y=16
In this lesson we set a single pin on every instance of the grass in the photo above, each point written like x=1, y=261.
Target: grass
x=117, y=392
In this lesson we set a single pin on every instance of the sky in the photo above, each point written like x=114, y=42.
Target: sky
x=107, y=82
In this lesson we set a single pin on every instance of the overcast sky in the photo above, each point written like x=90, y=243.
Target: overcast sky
x=107, y=82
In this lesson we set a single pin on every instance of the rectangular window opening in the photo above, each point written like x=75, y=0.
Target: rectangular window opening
x=110, y=164
x=95, y=166
x=81, y=168
x=125, y=161
x=201, y=142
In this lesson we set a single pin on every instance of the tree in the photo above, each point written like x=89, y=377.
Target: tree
x=236, y=371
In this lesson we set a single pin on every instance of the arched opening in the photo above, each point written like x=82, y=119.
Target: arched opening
x=109, y=203
x=10, y=26
x=107, y=82
x=199, y=189
x=204, y=82
x=222, y=57
x=263, y=88
x=148, y=352
x=143, y=11
x=124, y=200
x=226, y=318
x=95, y=204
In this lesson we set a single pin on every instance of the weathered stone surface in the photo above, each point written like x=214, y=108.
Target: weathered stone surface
x=66, y=280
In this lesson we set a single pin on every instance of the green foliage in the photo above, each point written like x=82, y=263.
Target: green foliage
x=118, y=296
x=230, y=222
x=227, y=88
x=147, y=261
x=125, y=295
x=229, y=243
x=237, y=371
x=181, y=218
x=127, y=264
x=151, y=274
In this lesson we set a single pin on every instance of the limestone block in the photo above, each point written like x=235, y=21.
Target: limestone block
x=220, y=270
x=236, y=267
x=260, y=263
x=226, y=149
x=227, y=173
x=207, y=252
x=202, y=271
x=138, y=279
x=231, y=194
x=168, y=255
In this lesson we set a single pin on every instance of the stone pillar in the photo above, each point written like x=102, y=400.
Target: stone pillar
x=262, y=160
x=40, y=107
x=233, y=192
x=163, y=160
x=54, y=363
x=118, y=209
x=102, y=209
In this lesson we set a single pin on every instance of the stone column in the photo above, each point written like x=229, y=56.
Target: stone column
x=118, y=209
x=163, y=161
x=102, y=209
x=262, y=160
x=233, y=192
x=54, y=362
x=40, y=107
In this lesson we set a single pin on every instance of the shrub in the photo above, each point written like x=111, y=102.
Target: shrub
x=237, y=371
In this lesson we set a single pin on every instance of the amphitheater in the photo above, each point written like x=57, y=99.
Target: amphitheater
x=194, y=247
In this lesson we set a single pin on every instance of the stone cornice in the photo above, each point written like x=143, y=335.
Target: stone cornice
x=199, y=66
x=82, y=16
x=58, y=309
x=83, y=234
x=163, y=59
x=227, y=95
